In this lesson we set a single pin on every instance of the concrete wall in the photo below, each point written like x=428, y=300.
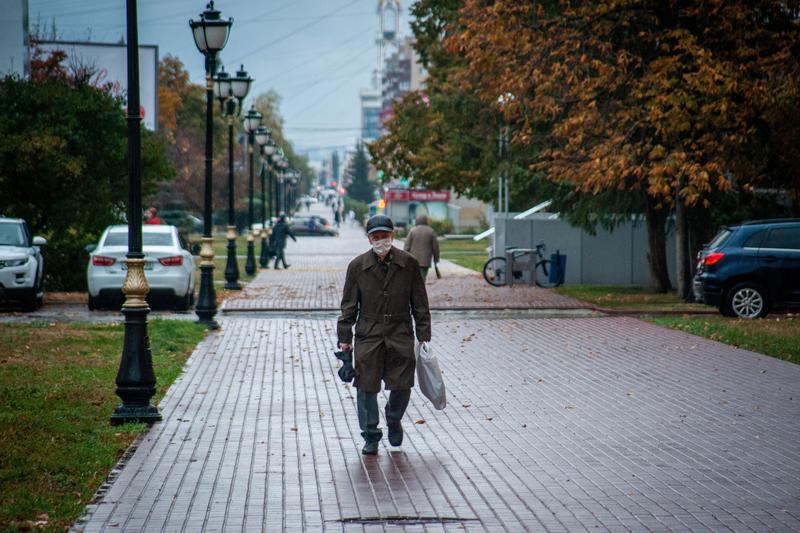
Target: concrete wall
x=616, y=257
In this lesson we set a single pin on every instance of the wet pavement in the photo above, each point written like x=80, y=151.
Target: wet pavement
x=557, y=420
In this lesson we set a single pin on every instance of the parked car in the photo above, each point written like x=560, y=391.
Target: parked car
x=312, y=225
x=183, y=220
x=21, y=264
x=750, y=268
x=169, y=267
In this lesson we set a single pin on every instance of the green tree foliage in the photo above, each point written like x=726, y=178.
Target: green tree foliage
x=268, y=104
x=360, y=188
x=63, y=167
x=618, y=107
x=182, y=126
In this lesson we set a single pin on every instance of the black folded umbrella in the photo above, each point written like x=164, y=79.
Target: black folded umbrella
x=346, y=372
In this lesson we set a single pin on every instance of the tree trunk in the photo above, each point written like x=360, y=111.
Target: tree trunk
x=682, y=259
x=657, y=245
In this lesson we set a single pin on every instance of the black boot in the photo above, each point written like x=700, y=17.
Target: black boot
x=370, y=448
x=395, y=432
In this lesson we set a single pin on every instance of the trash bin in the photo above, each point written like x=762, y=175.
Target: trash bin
x=558, y=269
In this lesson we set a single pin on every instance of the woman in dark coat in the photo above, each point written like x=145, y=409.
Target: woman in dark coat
x=383, y=291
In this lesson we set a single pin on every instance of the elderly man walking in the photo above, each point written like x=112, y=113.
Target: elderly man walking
x=423, y=245
x=383, y=290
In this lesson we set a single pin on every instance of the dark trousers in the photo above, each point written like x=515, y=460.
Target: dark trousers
x=279, y=257
x=368, y=417
x=424, y=271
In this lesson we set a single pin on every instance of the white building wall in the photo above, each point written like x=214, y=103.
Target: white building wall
x=14, y=39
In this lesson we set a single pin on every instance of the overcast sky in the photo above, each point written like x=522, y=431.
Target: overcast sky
x=317, y=54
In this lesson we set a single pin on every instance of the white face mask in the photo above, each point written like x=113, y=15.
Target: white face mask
x=382, y=246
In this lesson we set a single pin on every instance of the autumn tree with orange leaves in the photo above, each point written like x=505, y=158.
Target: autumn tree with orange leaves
x=666, y=97
x=677, y=104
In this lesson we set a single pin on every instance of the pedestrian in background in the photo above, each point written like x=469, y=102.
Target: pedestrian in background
x=422, y=243
x=279, y=234
x=151, y=216
x=383, y=291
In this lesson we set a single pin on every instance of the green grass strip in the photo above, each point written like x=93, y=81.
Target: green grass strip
x=777, y=336
x=56, y=396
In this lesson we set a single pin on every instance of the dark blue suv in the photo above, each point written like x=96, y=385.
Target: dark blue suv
x=750, y=268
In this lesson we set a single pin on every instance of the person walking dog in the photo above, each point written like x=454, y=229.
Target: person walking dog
x=279, y=234
x=421, y=242
x=383, y=291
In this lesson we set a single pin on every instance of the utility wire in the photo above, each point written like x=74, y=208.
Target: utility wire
x=295, y=32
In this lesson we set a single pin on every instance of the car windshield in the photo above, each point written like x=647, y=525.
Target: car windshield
x=120, y=238
x=11, y=234
x=720, y=239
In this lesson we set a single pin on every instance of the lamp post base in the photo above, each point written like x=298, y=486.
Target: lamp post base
x=263, y=260
x=250, y=266
x=232, y=265
x=136, y=380
x=206, y=306
x=133, y=414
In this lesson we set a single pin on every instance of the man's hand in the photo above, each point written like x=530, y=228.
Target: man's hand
x=343, y=346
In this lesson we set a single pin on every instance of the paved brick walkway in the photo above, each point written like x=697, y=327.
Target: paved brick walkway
x=321, y=288
x=552, y=425
x=316, y=278
x=559, y=424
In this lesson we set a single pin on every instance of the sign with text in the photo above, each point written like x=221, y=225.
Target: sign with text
x=417, y=195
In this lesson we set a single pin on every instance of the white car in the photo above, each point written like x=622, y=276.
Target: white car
x=169, y=267
x=21, y=264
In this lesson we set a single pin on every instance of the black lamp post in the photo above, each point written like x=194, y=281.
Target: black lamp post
x=231, y=91
x=281, y=176
x=136, y=381
x=293, y=179
x=252, y=121
x=263, y=139
x=276, y=158
x=210, y=35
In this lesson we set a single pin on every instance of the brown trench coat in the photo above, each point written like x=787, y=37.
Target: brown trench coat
x=422, y=244
x=381, y=310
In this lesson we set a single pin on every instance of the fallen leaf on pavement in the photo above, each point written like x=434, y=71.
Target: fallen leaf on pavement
x=420, y=421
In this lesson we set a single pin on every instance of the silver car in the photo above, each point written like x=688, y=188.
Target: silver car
x=169, y=267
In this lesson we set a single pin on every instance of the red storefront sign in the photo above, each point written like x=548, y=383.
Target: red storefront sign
x=417, y=195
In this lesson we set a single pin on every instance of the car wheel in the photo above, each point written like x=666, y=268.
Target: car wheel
x=746, y=300
x=183, y=303
x=31, y=301
x=94, y=303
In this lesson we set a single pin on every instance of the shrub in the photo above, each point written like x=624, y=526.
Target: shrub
x=361, y=209
x=441, y=227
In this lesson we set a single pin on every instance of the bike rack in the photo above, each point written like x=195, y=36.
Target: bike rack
x=512, y=263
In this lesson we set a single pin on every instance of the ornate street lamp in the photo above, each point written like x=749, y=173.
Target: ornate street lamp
x=210, y=35
x=263, y=139
x=252, y=121
x=136, y=381
x=230, y=91
x=294, y=179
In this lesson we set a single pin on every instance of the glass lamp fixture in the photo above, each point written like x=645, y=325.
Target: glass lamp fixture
x=210, y=32
x=241, y=83
x=262, y=136
x=252, y=120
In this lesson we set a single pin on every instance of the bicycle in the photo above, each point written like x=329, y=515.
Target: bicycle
x=495, y=269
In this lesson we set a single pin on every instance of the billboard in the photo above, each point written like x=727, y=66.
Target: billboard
x=110, y=63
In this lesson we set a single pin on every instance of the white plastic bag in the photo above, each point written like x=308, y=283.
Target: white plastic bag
x=429, y=375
